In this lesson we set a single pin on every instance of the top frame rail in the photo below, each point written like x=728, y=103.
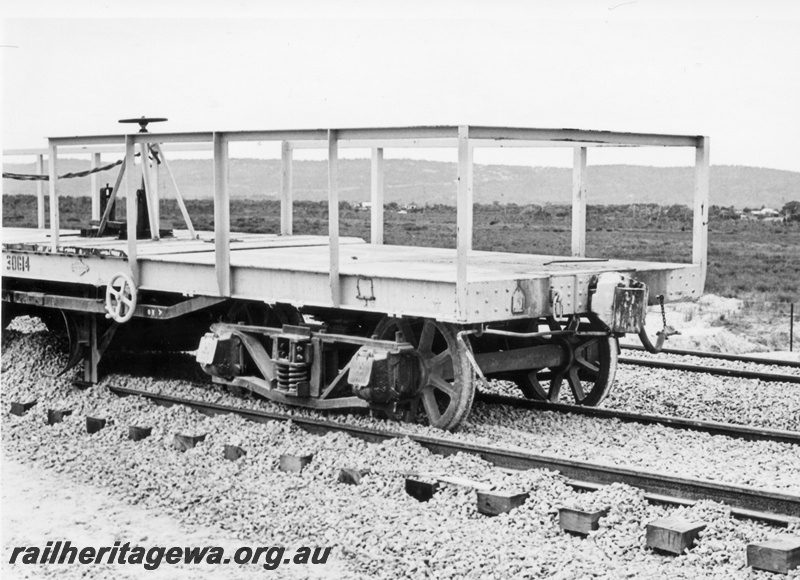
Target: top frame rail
x=424, y=136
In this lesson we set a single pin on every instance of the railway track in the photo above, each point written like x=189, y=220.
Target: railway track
x=749, y=502
x=737, y=431
x=712, y=427
x=711, y=370
x=720, y=356
x=660, y=363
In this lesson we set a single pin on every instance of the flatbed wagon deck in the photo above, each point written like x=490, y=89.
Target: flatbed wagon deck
x=330, y=322
x=396, y=280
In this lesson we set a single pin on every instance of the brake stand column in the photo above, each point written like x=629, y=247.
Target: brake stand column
x=93, y=347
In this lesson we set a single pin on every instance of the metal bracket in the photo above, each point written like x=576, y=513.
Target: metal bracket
x=369, y=296
x=518, y=300
x=556, y=305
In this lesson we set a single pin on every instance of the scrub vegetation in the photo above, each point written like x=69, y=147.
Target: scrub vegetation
x=752, y=260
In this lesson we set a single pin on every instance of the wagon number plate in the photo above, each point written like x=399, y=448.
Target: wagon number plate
x=17, y=263
x=361, y=368
x=207, y=349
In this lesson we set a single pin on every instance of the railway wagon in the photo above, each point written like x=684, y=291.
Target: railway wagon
x=331, y=322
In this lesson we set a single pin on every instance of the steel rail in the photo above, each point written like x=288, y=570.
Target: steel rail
x=775, y=507
x=712, y=427
x=710, y=370
x=720, y=356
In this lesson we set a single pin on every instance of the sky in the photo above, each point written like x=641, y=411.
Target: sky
x=727, y=69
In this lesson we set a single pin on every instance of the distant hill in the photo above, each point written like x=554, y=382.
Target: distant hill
x=433, y=182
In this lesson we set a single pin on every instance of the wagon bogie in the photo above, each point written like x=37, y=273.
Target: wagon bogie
x=413, y=369
x=408, y=368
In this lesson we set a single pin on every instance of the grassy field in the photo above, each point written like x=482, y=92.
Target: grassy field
x=750, y=260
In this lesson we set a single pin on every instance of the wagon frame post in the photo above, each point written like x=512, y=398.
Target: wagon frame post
x=222, y=216
x=376, y=196
x=52, y=164
x=287, y=208
x=40, y=218
x=464, y=221
x=579, y=202
x=152, y=180
x=700, y=216
x=94, y=193
x=333, y=216
x=131, y=216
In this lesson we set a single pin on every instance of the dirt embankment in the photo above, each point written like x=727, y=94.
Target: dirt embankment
x=727, y=325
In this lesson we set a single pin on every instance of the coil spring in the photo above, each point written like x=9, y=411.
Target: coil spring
x=289, y=375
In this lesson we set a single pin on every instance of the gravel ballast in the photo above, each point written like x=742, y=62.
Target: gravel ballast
x=375, y=529
x=656, y=448
x=711, y=398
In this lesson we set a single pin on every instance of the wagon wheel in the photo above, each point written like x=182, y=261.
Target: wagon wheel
x=447, y=384
x=591, y=363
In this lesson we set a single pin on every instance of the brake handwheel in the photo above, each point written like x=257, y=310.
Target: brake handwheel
x=143, y=121
x=120, y=297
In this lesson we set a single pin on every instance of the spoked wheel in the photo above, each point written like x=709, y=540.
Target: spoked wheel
x=447, y=386
x=589, y=370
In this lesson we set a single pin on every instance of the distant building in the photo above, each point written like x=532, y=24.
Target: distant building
x=763, y=214
x=767, y=212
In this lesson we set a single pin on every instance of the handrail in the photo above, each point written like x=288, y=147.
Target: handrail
x=95, y=153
